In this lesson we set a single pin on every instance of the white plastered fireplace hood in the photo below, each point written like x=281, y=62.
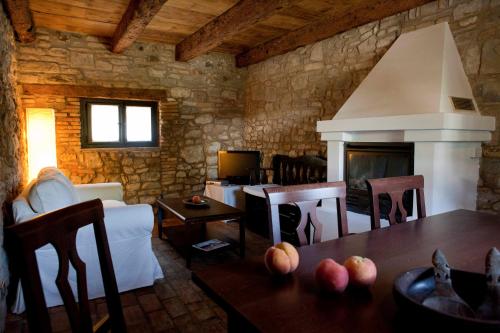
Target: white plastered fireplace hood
x=407, y=97
x=410, y=89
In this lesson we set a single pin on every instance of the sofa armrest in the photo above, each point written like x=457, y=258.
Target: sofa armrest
x=103, y=191
x=130, y=221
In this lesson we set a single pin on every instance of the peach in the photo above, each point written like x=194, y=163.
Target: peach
x=331, y=276
x=362, y=271
x=196, y=199
x=281, y=258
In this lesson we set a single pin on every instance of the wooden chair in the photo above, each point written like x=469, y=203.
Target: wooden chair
x=306, y=198
x=395, y=187
x=298, y=170
x=59, y=228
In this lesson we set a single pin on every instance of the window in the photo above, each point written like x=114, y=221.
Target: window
x=113, y=123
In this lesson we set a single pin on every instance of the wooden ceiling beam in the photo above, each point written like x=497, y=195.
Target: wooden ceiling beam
x=137, y=16
x=324, y=28
x=22, y=20
x=235, y=20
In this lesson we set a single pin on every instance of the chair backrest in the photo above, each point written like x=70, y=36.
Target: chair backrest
x=306, y=198
x=395, y=187
x=298, y=170
x=59, y=228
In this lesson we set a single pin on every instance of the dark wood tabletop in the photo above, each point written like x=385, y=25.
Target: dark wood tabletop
x=294, y=303
x=215, y=210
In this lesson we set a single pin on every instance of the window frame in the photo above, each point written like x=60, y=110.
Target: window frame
x=86, y=123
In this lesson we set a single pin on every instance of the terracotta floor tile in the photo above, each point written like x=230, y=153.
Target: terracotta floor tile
x=175, y=307
x=160, y=321
x=149, y=302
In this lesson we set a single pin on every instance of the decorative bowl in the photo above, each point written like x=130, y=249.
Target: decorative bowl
x=189, y=202
x=412, y=287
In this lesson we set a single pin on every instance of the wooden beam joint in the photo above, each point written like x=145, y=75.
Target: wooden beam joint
x=22, y=20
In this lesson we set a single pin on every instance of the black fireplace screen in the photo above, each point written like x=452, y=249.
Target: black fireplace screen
x=376, y=160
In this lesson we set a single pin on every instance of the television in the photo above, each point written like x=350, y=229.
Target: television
x=238, y=167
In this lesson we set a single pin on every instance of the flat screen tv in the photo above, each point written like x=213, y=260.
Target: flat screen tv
x=237, y=166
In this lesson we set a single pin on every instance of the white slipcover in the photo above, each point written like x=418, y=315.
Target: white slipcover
x=128, y=228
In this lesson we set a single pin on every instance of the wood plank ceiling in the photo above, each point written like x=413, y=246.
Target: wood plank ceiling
x=253, y=30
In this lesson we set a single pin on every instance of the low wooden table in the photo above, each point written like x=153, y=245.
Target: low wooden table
x=190, y=216
x=256, y=301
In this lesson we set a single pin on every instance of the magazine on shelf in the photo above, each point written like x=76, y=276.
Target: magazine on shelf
x=210, y=245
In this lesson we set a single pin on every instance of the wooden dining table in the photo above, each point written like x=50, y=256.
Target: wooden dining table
x=257, y=301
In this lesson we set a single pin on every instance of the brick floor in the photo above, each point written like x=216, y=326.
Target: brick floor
x=172, y=304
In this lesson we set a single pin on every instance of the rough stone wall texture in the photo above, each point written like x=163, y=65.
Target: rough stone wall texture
x=12, y=148
x=287, y=94
x=12, y=138
x=206, y=115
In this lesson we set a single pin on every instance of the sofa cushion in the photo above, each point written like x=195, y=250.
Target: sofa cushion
x=50, y=193
x=21, y=210
x=53, y=172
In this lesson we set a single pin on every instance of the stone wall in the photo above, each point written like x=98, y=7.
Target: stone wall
x=12, y=148
x=287, y=94
x=202, y=114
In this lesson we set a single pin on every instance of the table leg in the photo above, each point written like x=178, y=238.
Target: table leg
x=159, y=216
x=189, y=249
x=235, y=324
x=242, y=237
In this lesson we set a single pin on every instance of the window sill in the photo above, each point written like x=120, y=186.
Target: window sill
x=121, y=149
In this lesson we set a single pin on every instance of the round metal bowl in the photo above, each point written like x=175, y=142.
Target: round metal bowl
x=412, y=287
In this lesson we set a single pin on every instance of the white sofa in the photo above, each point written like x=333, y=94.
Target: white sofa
x=128, y=228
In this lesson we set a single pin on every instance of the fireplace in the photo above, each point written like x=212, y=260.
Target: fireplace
x=406, y=100
x=375, y=160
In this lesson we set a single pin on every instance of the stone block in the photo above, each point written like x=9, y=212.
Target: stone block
x=429, y=8
x=103, y=65
x=193, y=134
x=299, y=82
x=317, y=52
x=472, y=60
x=467, y=21
x=466, y=8
x=368, y=45
x=315, y=66
x=229, y=94
x=204, y=119
x=213, y=147
x=192, y=154
x=211, y=160
x=39, y=66
x=82, y=60
x=179, y=92
x=489, y=90
x=490, y=57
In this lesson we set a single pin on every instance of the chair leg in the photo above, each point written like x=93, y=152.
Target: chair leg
x=242, y=236
x=160, y=222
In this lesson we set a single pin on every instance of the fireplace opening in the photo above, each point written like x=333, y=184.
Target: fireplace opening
x=364, y=161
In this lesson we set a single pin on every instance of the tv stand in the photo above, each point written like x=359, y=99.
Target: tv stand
x=230, y=194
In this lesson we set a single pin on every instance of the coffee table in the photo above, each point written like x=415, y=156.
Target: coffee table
x=191, y=216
